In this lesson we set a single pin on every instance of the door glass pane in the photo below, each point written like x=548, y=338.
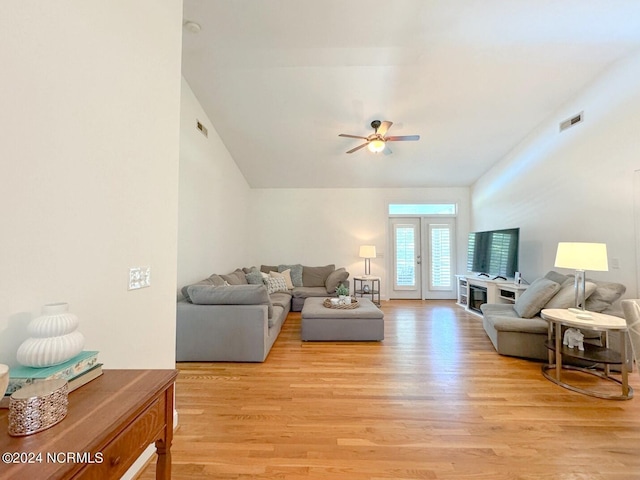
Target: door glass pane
x=405, y=256
x=440, y=256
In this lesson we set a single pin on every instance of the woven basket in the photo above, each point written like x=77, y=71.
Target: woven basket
x=347, y=306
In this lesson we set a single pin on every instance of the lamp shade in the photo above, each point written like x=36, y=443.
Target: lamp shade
x=582, y=256
x=367, y=251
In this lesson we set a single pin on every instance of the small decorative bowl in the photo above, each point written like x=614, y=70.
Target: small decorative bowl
x=37, y=407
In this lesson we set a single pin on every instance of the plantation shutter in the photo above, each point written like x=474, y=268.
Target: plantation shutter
x=440, y=237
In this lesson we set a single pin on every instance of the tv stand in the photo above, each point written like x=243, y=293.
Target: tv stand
x=473, y=291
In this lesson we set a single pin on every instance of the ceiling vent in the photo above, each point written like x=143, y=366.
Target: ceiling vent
x=570, y=122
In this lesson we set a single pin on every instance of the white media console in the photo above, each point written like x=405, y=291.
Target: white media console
x=474, y=290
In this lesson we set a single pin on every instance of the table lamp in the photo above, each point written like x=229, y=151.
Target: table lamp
x=582, y=256
x=367, y=252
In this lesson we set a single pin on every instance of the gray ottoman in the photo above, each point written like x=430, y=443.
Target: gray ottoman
x=363, y=324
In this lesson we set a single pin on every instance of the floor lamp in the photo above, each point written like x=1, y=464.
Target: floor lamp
x=582, y=256
x=367, y=252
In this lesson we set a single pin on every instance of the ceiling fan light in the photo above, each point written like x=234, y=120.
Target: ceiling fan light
x=376, y=146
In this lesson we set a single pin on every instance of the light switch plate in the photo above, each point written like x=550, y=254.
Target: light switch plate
x=139, y=277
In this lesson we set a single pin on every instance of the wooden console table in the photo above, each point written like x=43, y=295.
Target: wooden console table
x=110, y=422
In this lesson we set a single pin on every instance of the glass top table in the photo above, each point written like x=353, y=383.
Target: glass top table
x=604, y=355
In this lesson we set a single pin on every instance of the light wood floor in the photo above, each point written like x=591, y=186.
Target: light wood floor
x=433, y=401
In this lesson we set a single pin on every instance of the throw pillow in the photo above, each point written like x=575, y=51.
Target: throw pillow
x=286, y=275
x=268, y=268
x=336, y=278
x=236, y=277
x=254, y=277
x=556, y=277
x=316, y=276
x=276, y=284
x=605, y=294
x=296, y=273
x=566, y=296
x=531, y=301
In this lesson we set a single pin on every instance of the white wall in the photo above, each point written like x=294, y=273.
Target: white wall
x=213, y=226
x=576, y=185
x=323, y=226
x=89, y=152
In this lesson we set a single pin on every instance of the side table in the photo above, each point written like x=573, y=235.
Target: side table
x=558, y=318
x=373, y=283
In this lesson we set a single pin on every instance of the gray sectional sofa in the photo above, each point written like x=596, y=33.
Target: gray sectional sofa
x=237, y=317
x=518, y=330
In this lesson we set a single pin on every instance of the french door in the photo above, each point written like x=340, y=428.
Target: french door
x=423, y=257
x=405, y=239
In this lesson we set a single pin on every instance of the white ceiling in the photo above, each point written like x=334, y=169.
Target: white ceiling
x=280, y=79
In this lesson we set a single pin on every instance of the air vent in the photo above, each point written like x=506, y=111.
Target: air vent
x=202, y=128
x=570, y=122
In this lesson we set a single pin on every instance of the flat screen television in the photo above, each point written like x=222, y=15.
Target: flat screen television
x=494, y=253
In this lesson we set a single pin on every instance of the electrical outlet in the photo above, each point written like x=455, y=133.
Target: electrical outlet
x=139, y=277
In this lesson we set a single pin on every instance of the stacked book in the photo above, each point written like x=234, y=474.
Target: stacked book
x=78, y=371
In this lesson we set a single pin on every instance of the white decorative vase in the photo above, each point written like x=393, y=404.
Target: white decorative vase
x=4, y=379
x=54, y=338
x=55, y=321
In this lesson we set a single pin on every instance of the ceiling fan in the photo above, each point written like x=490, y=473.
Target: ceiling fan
x=376, y=142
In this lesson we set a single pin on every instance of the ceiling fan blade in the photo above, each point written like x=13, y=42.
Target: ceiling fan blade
x=358, y=147
x=403, y=138
x=352, y=136
x=384, y=126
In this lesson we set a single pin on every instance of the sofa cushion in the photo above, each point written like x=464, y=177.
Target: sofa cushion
x=306, y=292
x=316, y=276
x=503, y=309
x=286, y=275
x=236, y=277
x=335, y=278
x=519, y=325
x=535, y=297
x=282, y=299
x=604, y=295
x=230, y=295
x=566, y=296
x=504, y=318
x=215, y=280
x=268, y=268
x=276, y=284
x=296, y=273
